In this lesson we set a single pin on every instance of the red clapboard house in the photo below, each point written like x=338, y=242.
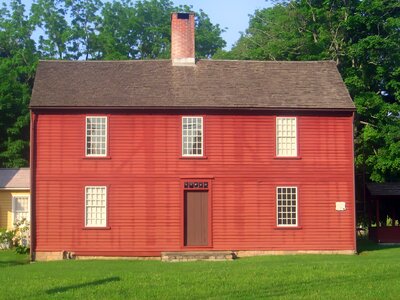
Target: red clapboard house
x=136, y=158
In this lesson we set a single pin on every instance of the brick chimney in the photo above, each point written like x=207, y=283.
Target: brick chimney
x=182, y=39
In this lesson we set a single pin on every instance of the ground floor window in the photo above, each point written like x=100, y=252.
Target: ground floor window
x=95, y=206
x=286, y=197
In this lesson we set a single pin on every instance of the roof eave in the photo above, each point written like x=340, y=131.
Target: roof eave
x=348, y=109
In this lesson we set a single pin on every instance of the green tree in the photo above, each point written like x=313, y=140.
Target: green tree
x=143, y=30
x=363, y=37
x=85, y=21
x=372, y=74
x=296, y=30
x=118, y=31
x=50, y=16
x=208, y=36
x=91, y=29
x=153, y=28
x=17, y=67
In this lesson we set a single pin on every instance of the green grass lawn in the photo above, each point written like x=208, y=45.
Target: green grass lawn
x=11, y=258
x=374, y=274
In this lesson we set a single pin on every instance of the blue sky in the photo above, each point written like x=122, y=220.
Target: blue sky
x=232, y=14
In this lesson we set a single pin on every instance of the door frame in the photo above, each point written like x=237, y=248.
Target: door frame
x=183, y=189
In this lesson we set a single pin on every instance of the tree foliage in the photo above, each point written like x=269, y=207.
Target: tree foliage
x=143, y=31
x=78, y=30
x=92, y=29
x=50, y=17
x=363, y=37
x=17, y=68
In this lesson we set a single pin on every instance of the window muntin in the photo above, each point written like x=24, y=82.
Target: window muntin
x=21, y=208
x=192, y=136
x=286, y=136
x=286, y=204
x=96, y=136
x=95, y=206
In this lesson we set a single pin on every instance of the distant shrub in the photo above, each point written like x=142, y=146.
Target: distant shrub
x=22, y=249
x=22, y=238
x=6, y=238
x=19, y=237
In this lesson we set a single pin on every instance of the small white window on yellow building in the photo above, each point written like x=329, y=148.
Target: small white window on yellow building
x=20, y=208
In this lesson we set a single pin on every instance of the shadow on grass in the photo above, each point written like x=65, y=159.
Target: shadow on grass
x=11, y=263
x=8, y=258
x=364, y=244
x=82, y=285
x=311, y=288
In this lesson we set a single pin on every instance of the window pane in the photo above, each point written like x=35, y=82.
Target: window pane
x=286, y=209
x=192, y=136
x=96, y=136
x=286, y=136
x=96, y=204
x=21, y=208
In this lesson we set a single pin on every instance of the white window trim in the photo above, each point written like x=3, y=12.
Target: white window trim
x=296, y=152
x=297, y=207
x=106, y=138
x=202, y=137
x=106, y=207
x=13, y=199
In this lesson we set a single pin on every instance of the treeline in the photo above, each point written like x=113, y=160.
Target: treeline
x=78, y=30
x=362, y=36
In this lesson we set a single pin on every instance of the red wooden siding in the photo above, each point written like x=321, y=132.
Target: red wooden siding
x=144, y=174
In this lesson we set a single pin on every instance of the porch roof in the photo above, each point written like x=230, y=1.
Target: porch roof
x=384, y=189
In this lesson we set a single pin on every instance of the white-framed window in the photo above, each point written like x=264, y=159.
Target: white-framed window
x=95, y=206
x=96, y=136
x=286, y=136
x=21, y=208
x=286, y=206
x=192, y=136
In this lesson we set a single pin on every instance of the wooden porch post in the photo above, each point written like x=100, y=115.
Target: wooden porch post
x=393, y=216
x=370, y=203
x=378, y=223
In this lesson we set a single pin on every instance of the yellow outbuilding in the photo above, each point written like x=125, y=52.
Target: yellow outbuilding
x=14, y=196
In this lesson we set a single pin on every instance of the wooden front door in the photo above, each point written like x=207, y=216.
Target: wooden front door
x=196, y=218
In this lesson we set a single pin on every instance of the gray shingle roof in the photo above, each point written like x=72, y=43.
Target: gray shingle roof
x=210, y=84
x=384, y=189
x=15, y=178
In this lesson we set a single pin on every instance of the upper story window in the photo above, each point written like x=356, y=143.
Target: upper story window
x=96, y=136
x=286, y=198
x=286, y=136
x=95, y=206
x=192, y=136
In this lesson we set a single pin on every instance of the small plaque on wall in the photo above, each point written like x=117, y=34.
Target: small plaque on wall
x=340, y=206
